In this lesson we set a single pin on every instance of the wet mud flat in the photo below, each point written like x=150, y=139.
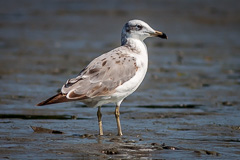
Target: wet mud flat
x=162, y=132
x=188, y=106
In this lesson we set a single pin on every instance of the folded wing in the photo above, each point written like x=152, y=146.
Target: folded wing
x=102, y=76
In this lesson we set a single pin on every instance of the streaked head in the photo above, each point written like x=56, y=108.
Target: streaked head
x=139, y=30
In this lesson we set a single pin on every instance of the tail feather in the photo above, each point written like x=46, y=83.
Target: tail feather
x=58, y=98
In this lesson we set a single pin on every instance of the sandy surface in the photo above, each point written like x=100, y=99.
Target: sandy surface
x=188, y=106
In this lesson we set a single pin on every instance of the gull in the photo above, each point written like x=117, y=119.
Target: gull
x=114, y=75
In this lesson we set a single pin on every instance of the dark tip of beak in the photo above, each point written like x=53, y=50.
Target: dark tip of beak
x=163, y=35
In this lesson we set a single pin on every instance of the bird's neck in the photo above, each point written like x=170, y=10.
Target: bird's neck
x=135, y=45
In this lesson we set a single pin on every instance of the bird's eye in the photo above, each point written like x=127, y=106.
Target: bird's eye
x=139, y=27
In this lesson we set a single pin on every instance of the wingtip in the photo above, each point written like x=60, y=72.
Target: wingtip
x=58, y=98
x=42, y=103
x=39, y=104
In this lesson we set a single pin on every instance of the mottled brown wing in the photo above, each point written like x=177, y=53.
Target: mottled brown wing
x=102, y=75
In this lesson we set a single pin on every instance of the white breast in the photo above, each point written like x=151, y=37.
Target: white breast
x=142, y=63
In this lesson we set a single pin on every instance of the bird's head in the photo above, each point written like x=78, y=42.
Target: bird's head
x=139, y=30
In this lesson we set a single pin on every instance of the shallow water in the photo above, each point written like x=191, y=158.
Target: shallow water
x=186, y=108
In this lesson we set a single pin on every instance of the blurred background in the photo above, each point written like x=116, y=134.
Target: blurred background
x=44, y=43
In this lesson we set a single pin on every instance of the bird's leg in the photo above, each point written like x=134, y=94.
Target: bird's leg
x=117, y=114
x=99, y=115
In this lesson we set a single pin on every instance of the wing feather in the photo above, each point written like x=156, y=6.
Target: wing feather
x=103, y=75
